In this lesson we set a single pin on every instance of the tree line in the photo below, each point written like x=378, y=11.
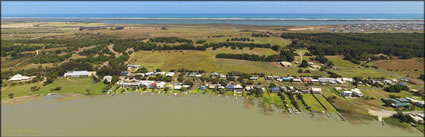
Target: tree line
x=170, y=40
x=358, y=46
x=284, y=55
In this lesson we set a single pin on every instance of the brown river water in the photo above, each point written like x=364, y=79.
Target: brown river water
x=166, y=115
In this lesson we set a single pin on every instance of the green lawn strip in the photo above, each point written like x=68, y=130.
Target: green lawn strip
x=277, y=101
x=73, y=85
x=300, y=103
x=267, y=100
x=396, y=122
x=326, y=103
x=290, y=105
x=229, y=93
x=312, y=102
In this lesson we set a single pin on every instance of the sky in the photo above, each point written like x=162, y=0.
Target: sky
x=75, y=7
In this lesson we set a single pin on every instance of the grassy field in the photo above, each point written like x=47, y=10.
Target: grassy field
x=196, y=60
x=412, y=67
x=74, y=85
x=325, y=103
x=19, y=89
x=349, y=69
x=312, y=102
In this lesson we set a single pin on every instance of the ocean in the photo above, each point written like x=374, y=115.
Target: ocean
x=247, y=19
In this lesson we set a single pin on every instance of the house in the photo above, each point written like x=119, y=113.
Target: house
x=304, y=91
x=201, y=87
x=140, y=74
x=296, y=80
x=238, y=89
x=347, y=93
x=257, y=87
x=133, y=67
x=230, y=87
x=417, y=118
x=402, y=83
x=350, y=80
x=177, y=87
x=274, y=89
x=77, y=74
x=125, y=73
x=107, y=78
x=222, y=76
x=128, y=83
x=214, y=74
x=283, y=89
x=315, y=66
x=253, y=78
x=19, y=77
x=357, y=92
x=323, y=80
x=307, y=79
x=414, y=82
x=160, y=85
x=314, y=80
x=399, y=102
x=248, y=87
x=315, y=90
x=291, y=88
x=340, y=81
x=420, y=104
x=337, y=88
x=170, y=74
x=212, y=86
x=286, y=78
x=285, y=64
x=310, y=63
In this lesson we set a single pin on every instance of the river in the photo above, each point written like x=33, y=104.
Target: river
x=166, y=115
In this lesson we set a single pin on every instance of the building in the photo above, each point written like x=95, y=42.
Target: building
x=285, y=64
x=170, y=74
x=238, y=89
x=347, y=94
x=357, y=92
x=177, y=87
x=19, y=77
x=77, y=74
x=133, y=66
x=201, y=87
x=125, y=73
x=315, y=90
x=230, y=87
x=296, y=80
x=274, y=89
x=107, y=78
x=253, y=78
x=304, y=91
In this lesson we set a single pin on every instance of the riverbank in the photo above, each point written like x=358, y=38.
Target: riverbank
x=189, y=115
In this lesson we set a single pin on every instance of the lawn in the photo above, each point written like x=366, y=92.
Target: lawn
x=412, y=67
x=349, y=69
x=19, y=89
x=325, y=103
x=312, y=102
x=73, y=85
x=197, y=60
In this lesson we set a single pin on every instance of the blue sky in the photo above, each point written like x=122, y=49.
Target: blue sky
x=209, y=7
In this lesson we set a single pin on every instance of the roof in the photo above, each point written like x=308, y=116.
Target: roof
x=19, y=77
x=76, y=73
x=274, y=89
x=229, y=86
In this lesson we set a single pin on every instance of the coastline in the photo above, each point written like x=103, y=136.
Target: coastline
x=217, y=19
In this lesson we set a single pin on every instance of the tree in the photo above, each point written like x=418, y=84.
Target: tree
x=11, y=95
x=303, y=64
x=300, y=71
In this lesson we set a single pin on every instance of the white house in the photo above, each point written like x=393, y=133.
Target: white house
x=357, y=92
x=177, y=87
x=347, y=93
x=107, y=78
x=170, y=74
x=77, y=74
x=19, y=77
x=315, y=90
